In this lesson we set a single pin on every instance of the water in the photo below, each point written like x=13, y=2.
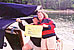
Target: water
x=62, y=16
x=64, y=26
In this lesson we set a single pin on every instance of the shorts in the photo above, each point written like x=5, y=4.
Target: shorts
x=48, y=43
x=36, y=41
x=33, y=46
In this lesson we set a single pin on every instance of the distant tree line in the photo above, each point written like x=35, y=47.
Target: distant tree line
x=49, y=4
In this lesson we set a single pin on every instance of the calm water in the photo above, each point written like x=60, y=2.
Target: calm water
x=63, y=16
x=64, y=26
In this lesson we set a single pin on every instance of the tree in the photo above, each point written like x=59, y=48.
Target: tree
x=42, y=3
x=0, y=0
x=4, y=0
x=17, y=1
x=47, y=3
x=20, y=1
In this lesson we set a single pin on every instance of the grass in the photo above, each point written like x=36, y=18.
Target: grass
x=73, y=5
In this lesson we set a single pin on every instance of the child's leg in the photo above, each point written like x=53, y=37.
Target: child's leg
x=51, y=43
x=26, y=47
x=43, y=44
x=33, y=46
x=36, y=48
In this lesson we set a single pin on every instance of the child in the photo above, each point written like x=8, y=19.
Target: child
x=34, y=42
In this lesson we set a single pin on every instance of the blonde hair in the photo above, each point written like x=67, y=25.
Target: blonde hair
x=45, y=15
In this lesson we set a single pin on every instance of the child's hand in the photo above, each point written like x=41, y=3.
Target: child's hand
x=44, y=25
x=18, y=20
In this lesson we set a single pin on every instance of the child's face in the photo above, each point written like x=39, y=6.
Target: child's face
x=35, y=21
x=40, y=16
